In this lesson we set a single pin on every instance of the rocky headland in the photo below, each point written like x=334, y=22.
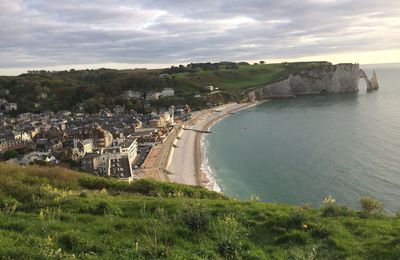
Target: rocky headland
x=323, y=78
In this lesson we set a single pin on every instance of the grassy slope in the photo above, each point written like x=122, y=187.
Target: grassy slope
x=234, y=81
x=61, y=213
x=247, y=76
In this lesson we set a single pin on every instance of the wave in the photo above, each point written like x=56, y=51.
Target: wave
x=206, y=168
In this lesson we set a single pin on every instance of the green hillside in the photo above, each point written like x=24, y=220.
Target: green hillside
x=54, y=213
x=236, y=80
x=104, y=88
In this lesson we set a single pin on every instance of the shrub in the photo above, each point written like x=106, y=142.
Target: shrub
x=229, y=249
x=9, y=205
x=331, y=209
x=298, y=219
x=107, y=209
x=294, y=237
x=196, y=218
x=335, y=210
x=10, y=154
x=69, y=241
x=370, y=205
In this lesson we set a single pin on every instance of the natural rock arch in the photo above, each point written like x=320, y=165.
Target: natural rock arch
x=371, y=84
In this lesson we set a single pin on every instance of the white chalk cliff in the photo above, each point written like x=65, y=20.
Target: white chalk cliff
x=323, y=79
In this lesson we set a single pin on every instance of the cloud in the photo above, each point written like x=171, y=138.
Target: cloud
x=49, y=33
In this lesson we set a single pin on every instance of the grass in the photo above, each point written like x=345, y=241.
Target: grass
x=234, y=81
x=49, y=213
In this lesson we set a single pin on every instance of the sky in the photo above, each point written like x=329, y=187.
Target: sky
x=58, y=34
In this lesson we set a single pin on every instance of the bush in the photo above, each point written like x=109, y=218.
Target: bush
x=196, y=218
x=229, y=249
x=298, y=220
x=69, y=241
x=335, y=210
x=294, y=237
x=107, y=209
x=331, y=209
x=9, y=205
x=10, y=154
x=370, y=205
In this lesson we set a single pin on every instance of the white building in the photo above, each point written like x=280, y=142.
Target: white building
x=11, y=106
x=117, y=161
x=209, y=88
x=167, y=92
x=133, y=94
x=24, y=136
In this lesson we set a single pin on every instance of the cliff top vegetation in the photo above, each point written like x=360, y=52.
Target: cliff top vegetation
x=48, y=213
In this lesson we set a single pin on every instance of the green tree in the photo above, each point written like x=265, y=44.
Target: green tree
x=10, y=154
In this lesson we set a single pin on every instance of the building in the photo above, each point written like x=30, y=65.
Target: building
x=114, y=161
x=11, y=106
x=152, y=95
x=209, y=88
x=167, y=92
x=84, y=146
x=99, y=136
x=6, y=145
x=41, y=96
x=119, y=109
x=133, y=94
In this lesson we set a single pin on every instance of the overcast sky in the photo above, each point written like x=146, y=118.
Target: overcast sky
x=58, y=34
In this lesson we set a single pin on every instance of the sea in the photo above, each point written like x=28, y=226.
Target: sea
x=301, y=150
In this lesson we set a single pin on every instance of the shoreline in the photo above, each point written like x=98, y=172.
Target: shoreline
x=204, y=179
x=187, y=158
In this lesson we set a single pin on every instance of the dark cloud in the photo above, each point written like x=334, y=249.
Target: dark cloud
x=37, y=33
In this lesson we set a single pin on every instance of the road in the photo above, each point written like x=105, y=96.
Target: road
x=154, y=165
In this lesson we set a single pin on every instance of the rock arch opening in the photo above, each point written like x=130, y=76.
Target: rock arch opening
x=371, y=84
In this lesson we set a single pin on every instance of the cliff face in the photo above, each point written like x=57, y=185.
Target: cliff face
x=323, y=79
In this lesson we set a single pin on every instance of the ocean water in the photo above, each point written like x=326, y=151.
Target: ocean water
x=303, y=149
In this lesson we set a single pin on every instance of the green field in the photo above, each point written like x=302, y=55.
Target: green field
x=236, y=80
x=54, y=213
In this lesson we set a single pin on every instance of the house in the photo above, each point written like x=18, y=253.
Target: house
x=24, y=136
x=197, y=95
x=209, y=88
x=11, y=106
x=84, y=146
x=167, y=92
x=118, y=109
x=133, y=94
x=100, y=137
x=161, y=120
x=152, y=95
x=41, y=96
x=164, y=75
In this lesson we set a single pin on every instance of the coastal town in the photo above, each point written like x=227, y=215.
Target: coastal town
x=114, y=142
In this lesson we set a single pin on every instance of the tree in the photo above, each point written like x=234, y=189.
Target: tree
x=10, y=154
x=262, y=62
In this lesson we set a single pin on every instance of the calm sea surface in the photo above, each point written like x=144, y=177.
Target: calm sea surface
x=303, y=149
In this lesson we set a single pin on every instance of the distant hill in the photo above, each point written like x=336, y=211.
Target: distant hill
x=48, y=213
x=103, y=88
